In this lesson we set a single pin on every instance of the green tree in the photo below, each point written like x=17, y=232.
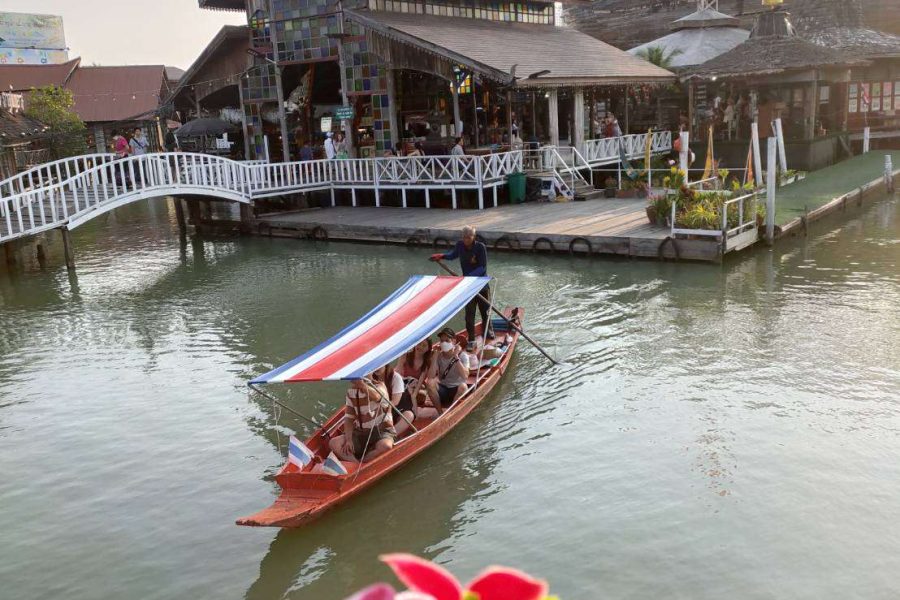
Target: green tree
x=658, y=56
x=52, y=106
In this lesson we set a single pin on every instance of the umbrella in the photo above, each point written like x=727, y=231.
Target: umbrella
x=204, y=127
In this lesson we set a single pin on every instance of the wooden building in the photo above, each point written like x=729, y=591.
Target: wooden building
x=386, y=71
x=774, y=74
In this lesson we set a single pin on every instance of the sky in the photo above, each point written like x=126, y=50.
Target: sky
x=132, y=32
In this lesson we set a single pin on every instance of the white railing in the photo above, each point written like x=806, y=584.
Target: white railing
x=95, y=188
x=607, y=150
x=744, y=223
x=52, y=172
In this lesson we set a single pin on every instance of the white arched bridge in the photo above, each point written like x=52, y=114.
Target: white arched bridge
x=72, y=191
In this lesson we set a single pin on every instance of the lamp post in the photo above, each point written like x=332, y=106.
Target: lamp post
x=282, y=117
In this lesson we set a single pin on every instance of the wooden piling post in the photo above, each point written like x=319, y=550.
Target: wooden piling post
x=41, y=254
x=10, y=251
x=179, y=215
x=67, y=248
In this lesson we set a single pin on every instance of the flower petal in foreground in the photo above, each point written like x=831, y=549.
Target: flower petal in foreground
x=379, y=591
x=420, y=575
x=500, y=583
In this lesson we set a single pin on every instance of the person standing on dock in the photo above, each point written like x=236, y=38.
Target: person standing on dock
x=472, y=256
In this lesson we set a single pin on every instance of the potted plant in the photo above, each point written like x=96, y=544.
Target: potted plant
x=658, y=209
x=611, y=185
x=641, y=188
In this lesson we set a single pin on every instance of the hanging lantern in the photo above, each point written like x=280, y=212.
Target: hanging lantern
x=772, y=3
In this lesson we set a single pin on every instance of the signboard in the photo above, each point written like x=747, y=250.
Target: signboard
x=325, y=124
x=344, y=113
x=32, y=39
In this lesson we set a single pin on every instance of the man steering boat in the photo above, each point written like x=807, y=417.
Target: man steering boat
x=472, y=256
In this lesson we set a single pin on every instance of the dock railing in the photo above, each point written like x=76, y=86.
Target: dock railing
x=742, y=234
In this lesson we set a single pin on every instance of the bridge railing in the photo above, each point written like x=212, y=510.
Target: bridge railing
x=51, y=172
x=110, y=183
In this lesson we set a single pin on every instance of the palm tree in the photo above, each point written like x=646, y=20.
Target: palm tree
x=658, y=56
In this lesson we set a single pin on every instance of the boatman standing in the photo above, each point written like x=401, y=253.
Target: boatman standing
x=472, y=256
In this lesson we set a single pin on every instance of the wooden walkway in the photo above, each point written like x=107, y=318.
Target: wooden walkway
x=605, y=226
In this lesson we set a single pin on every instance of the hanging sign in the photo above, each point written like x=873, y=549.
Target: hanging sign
x=343, y=113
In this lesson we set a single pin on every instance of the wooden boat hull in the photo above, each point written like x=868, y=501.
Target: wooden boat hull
x=306, y=495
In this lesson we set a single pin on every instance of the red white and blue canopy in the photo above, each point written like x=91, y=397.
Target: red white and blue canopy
x=401, y=321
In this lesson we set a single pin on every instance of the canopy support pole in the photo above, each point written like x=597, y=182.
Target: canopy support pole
x=504, y=317
x=285, y=407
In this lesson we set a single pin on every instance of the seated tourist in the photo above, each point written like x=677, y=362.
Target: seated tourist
x=403, y=412
x=414, y=369
x=448, y=374
x=368, y=422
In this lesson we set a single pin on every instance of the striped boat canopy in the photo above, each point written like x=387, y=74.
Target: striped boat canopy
x=401, y=321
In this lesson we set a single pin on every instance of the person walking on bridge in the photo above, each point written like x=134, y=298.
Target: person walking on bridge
x=472, y=256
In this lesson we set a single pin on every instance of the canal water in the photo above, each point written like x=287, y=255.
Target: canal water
x=715, y=432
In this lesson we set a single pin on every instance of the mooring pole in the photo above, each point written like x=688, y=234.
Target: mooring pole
x=67, y=248
x=867, y=140
x=770, y=190
x=889, y=173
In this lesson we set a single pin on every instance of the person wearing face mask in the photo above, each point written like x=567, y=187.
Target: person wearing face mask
x=448, y=374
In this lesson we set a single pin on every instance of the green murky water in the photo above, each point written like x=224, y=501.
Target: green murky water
x=716, y=432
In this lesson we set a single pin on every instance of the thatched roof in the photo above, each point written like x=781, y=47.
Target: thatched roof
x=772, y=55
x=839, y=24
x=772, y=49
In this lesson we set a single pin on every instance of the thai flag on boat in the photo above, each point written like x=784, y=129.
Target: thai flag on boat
x=333, y=466
x=298, y=453
x=402, y=320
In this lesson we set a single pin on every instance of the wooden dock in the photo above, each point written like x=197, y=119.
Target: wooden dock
x=603, y=226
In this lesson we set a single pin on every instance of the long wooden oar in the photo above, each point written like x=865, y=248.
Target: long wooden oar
x=502, y=316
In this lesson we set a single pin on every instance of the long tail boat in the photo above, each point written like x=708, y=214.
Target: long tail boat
x=411, y=314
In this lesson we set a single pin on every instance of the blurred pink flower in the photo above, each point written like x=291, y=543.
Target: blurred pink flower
x=494, y=583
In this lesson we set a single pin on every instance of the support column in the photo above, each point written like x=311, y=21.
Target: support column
x=240, y=85
x=392, y=109
x=578, y=137
x=553, y=116
x=813, y=111
x=279, y=87
x=67, y=248
x=454, y=92
x=627, y=113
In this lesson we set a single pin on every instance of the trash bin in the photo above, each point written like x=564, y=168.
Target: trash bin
x=516, y=186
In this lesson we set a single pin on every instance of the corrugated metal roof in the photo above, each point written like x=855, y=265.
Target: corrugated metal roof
x=570, y=56
x=21, y=78
x=116, y=93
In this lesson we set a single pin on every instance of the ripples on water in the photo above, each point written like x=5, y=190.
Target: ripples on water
x=713, y=432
